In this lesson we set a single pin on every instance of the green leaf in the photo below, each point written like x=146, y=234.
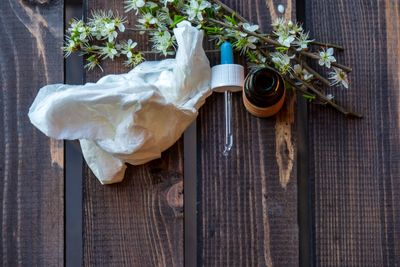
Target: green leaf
x=231, y=19
x=252, y=56
x=309, y=97
x=282, y=49
x=212, y=30
x=177, y=20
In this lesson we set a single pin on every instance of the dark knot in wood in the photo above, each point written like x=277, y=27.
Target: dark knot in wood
x=175, y=197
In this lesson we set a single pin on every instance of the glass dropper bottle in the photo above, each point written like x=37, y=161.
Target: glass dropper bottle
x=227, y=78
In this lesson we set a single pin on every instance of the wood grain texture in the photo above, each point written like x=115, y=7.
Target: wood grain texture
x=248, y=201
x=138, y=222
x=31, y=168
x=355, y=164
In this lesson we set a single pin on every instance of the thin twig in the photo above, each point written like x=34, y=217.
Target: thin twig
x=338, y=47
x=157, y=52
x=266, y=39
x=335, y=64
x=313, y=72
x=302, y=88
x=230, y=10
x=327, y=100
x=264, y=52
x=140, y=30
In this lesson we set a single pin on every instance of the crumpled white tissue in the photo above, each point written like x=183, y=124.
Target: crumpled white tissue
x=132, y=117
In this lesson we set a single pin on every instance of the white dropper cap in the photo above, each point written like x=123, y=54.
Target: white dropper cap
x=227, y=76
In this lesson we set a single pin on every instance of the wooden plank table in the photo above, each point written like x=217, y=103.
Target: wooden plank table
x=355, y=165
x=31, y=168
x=307, y=187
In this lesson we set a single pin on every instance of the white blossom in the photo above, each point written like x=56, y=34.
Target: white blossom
x=302, y=41
x=293, y=27
x=326, y=57
x=133, y=57
x=83, y=34
x=92, y=62
x=108, y=51
x=301, y=72
x=166, y=2
x=250, y=28
x=286, y=31
x=78, y=31
x=70, y=47
x=119, y=23
x=134, y=4
x=163, y=19
x=281, y=61
x=104, y=25
x=134, y=60
x=127, y=48
x=195, y=9
x=244, y=43
x=163, y=41
x=109, y=31
x=279, y=24
x=285, y=39
x=236, y=34
x=330, y=96
x=148, y=19
x=338, y=76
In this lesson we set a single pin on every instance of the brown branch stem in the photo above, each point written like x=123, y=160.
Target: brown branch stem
x=140, y=30
x=312, y=71
x=338, y=47
x=327, y=100
x=261, y=37
x=302, y=89
x=230, y=10
x=335, y=64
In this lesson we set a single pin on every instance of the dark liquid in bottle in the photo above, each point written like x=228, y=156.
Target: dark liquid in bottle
x=264, y=87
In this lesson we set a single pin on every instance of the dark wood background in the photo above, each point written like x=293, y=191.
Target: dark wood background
x=31, y=170
x=245, y=199
x=355, y=164
x=249, y=205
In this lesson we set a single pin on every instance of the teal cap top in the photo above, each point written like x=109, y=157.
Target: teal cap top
x=226, y=53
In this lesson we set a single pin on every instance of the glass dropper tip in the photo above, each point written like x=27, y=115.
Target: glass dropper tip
x=227, y=58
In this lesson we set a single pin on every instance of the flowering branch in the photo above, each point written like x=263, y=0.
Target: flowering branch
x=312, y=71
x=285, y=49
x=327, y=99
x=314, y=56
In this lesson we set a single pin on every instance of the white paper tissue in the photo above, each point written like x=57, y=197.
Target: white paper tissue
x=132, y=117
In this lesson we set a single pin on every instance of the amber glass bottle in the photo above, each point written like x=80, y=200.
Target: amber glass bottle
x=264, y=92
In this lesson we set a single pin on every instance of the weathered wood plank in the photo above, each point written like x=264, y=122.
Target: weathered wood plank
x=248, y=201
x=138, y=222
x=31, y=171
x=355, y=164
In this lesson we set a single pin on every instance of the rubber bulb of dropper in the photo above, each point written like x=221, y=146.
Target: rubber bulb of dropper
x=226, y=53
